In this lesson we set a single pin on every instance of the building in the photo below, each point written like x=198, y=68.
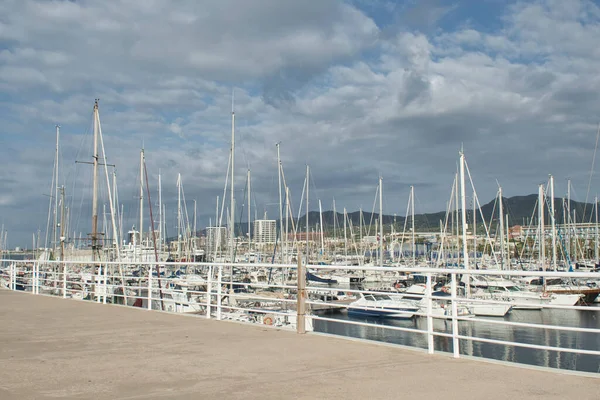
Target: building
x=265, y=231
x=515, y=232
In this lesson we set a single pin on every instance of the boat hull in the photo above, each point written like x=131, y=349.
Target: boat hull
x=387, y=313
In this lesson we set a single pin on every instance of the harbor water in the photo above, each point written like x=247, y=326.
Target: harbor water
x=517, y=354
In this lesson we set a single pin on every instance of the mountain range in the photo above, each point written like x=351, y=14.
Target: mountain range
x=521, y=210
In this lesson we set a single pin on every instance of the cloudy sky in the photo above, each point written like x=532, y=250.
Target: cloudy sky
x=356, y=89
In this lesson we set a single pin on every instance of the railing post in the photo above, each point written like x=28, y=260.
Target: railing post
x=301, y=298
x=34, y=279
x=430, y=347
x=455, y=342
x=209, y=292
x=14, y=279
x=105, y=284
x=98, y=287
x=150, y=287
x=64, y=280
x=37, y=278
x=219, y=290
x=11, y=278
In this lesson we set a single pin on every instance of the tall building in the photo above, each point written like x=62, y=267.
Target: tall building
x=265, y=231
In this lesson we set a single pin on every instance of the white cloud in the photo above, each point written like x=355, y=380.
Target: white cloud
x=317, y=76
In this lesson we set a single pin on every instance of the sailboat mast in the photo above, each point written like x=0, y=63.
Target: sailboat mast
x=412, y=220
x=334, y=223
x=250, y=213
x=232, y=217
x=62, y=223
x=321, y=229
x=552, y=217
x=345, y=233
x=307, y=189
x=141, y=201
x=508, y=256
x=501, y=221
x=216, y=233
x=95, y=186
x=542, y=238
x=280, y=199
x=287, y=220
x=380, y=220
x=456, y=206
x=56, y=188
x=178, y=216
x=160, y=214
x=114, y=207
x=596, y=228
x=568, y=218
x=463, y=211
x=360, y=223
x=474, y=230
x=195, y=217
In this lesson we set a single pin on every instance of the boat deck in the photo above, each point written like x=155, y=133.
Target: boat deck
x=53, y=348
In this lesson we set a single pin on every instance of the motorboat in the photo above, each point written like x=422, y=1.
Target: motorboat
x=382, y=306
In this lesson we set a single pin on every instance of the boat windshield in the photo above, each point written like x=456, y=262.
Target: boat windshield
x=381, y=297
x=513, y=289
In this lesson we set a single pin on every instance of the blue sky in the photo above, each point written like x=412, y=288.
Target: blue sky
x=353, y=88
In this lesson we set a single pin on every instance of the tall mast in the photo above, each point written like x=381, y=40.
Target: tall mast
x=568, y=218
x=95, y=186
x=141, y=201
x=541, y=228
x=360, y=223
x=179, y=216
x=345, y=233
x=463, y=212
x=160, y=214
x=216, y=233
x=62, y=223
x=280, y=197
x=321, y=229
x=232, y=217
x=380, y=220
x=195, y=217
x=474, y=230
x=507, y=244
x=552, y=216
x=575, y=235
x=56, y=189
x=596, y=229
x=501, y=221
x=456, y=205
x=412, y=220
x=334, y=223
x=250, y=214
x=307, y=188
x=287, y=219
x=114, y=200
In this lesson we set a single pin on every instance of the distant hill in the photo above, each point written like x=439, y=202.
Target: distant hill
x=520, y=210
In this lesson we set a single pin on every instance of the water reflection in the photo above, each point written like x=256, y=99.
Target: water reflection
x=547, y=337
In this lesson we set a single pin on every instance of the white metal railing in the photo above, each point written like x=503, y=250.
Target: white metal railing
x=271, y=297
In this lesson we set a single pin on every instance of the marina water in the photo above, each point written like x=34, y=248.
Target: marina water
x=538, y=336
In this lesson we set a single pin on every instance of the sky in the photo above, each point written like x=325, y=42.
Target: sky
x=356, y=89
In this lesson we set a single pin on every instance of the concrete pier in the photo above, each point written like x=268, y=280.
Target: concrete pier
x=52, y=348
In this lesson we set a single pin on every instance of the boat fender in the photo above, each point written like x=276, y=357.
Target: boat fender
x=268, y=321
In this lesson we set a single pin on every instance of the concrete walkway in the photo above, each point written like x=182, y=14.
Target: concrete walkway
x=53, y=348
